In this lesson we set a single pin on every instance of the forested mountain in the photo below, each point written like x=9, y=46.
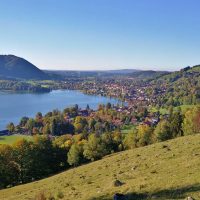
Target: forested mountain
x=180, y=87
x=15, y=67
x=148, y=74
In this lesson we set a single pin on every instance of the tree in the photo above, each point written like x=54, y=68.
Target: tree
x=162, y=131
x=191, y=123
x=87, y=107
x=130, y=141
x=144, y=135
x=11, y=127
x=176, y=124
x=35, y=131
x=111, y=145
x=23, y=121
x=38, y=116
x=92, y=123
x=171, y=110
x=42, y=158
x=25, y=159
x=9, y=169
x=76, y=107
x=80, y=123
x=75, y=155
x=108, y=105
x=30, y=125
x=94, y=148
x=53, y=127
x=98, y=128
x=46, y=129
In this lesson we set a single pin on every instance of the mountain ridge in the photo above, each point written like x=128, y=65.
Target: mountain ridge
x=12, y=66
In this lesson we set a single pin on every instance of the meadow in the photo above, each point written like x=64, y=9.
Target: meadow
x=167, y=170
x=10, y=139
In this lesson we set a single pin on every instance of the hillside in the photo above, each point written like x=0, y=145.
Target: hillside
x=178, y=88
x=168, y=170
x=149, y=74
x=183, y=74
x=15, y=67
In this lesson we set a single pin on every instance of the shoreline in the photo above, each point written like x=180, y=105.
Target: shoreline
x=4, y=131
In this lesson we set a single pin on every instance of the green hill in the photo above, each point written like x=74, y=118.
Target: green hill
x=15, y=67
x=168, y=170
x=149, y=74
x=183, y=74
x=178, y=88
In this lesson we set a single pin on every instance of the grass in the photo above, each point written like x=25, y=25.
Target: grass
x=12, y=138
x=127, y=128
x=163, y=111
x=168, y=170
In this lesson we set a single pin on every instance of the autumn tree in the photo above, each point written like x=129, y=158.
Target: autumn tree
x=144, y=135
x=94, y=148
x=191, y=123
x=130, y=140
x=24, y=158
x=80, y=123
x=9, y=169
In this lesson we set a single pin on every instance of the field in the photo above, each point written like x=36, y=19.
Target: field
x=163, y=111
x=12, y=138
x=127, y=128
x=168, y=170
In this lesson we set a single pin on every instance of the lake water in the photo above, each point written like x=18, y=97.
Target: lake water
x=13, y=106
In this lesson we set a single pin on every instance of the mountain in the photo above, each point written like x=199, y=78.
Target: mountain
x=167, y=170
x=15, y=67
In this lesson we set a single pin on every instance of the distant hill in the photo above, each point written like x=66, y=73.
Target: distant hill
x=167, y=170
x=123, y=71
x=56, y=74
x=148, y=74
x=15, y=67
x=187, y=73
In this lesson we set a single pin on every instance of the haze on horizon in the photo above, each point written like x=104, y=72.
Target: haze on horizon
x=101, y=34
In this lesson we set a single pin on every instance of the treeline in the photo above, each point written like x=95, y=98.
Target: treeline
x=26, y=161
x=176, y=124
x=70, y=121
x=180, y=88
x=10, y=85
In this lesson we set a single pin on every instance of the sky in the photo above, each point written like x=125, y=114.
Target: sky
x=102, y=34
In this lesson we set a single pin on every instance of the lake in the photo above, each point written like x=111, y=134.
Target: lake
x=13, y=106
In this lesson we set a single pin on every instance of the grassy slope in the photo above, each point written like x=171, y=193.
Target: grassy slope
x=171, y=172
x=12, y=138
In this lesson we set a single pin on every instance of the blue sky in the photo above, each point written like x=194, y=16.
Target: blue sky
x=102, y=34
